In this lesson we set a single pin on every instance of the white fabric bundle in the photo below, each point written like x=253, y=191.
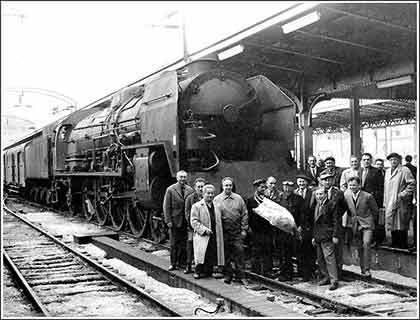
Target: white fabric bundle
x=277, y=215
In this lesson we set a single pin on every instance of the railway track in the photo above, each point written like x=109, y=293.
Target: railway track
x=63, y=282
x=357, y=297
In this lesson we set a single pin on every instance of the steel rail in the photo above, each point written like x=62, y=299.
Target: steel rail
x=102, y=269
x=24, y=285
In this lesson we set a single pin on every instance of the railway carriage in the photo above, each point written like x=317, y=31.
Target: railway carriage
x=113, y=161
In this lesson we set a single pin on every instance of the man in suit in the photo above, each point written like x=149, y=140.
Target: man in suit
x=194, y=197
x=174, y=213
x=235, y=229
x=353, y=171
x=312, y=171
x=325, y=236
x=261, y=229
x=206, y=220
x=363, y=208
x=271, y=192
x=287, y=242
x=408, y=164
x=333, y=170
x=306, y=252
x=379, y=234
x=336, y=197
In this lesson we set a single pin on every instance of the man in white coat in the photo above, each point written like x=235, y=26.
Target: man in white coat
x=399, y=187
x=208, y=242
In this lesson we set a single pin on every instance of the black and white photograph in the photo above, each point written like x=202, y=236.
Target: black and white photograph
x=209, y=159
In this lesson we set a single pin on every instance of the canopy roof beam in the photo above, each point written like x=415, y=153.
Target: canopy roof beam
x=371, y=19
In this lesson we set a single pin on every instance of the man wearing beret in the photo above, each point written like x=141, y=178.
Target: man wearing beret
x=336, y=197
x=288, y=243
x=306, y=251
x=332, y=169
x=262, y=260
x=399, y=187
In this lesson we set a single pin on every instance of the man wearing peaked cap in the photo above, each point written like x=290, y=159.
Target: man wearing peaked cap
x=288, y=183
x=257, y=182
x=326, y=175
x=262, y=239
x=330, y=167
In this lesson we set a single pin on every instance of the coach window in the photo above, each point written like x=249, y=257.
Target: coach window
x=13, y=168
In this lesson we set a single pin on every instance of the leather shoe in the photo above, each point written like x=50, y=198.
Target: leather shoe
x=187, y=270
x=228, y=280
x=333, y=286
x=324, y=282
x=196, y=276
x=283, y=278
x=172, y=267
x=217, y=275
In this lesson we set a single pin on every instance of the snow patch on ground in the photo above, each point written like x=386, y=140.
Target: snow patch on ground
x=181, y=299
x=385, y=275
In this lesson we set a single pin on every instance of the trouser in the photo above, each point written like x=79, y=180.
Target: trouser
x=379, y=234
x=262, y=253
x=210, y=259
x=306, y=255
x=364, y=241
x=415, y=226
x=234, y=253
x=189, y=247
x=287, y=251
x=326, y=260
x=400, y=239
x=178, y=245
x=338, y=252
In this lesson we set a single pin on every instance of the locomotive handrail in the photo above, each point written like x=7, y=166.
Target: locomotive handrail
x=215, y=165
x=167, y=95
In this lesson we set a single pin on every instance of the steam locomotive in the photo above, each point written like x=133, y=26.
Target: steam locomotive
x=112, y=162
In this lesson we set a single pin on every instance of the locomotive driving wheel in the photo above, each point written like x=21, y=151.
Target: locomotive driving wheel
x=120, y=208
x=137, y=219
x=89, y=203
x=104, y=204
x=158, y=229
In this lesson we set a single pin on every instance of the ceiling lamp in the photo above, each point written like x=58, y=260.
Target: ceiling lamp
x=394, y=82
x=230, y=52
x=301, y=22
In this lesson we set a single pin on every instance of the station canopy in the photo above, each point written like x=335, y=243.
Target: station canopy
x=345, y=50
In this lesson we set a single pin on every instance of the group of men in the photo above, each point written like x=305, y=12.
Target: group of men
x=330, y=206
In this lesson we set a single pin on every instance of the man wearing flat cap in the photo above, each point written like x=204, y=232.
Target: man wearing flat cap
x=306, y=253
x=262, y=240
x=332, y=169
x=287, y=242
x=399, y=187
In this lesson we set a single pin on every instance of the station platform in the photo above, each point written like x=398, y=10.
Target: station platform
x=236, y=299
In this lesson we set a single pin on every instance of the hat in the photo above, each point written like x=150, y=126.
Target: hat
x=288, y=183
x=329, y=158
x=326, y=175
x=303, y=176
x=257, y=182
x=393, y=155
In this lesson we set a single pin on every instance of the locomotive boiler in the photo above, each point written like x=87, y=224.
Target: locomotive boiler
x=112, y=162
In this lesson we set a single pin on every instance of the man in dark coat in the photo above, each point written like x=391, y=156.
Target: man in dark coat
x=306, y=252
x=312, y=171
x=336, y=198
x=333, y=170
x=288, y=243
x=261, y=229
x=408, y=164
x=194, y=197
x=325, y=236
x=370, y=178
x=174, y=213
x=379, y=234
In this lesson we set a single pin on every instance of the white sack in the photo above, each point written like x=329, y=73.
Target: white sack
x=277, y=215
x=200, y=246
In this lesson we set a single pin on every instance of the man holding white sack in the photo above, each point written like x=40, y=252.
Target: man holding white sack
x=262, y=255
x=235, y=229
x=208, y=234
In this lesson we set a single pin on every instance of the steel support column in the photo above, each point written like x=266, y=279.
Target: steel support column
x=355, y=140
x=306, y=139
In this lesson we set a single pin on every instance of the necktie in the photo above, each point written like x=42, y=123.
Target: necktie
x=365, y=171
x=182, y=191
x=313, y=172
